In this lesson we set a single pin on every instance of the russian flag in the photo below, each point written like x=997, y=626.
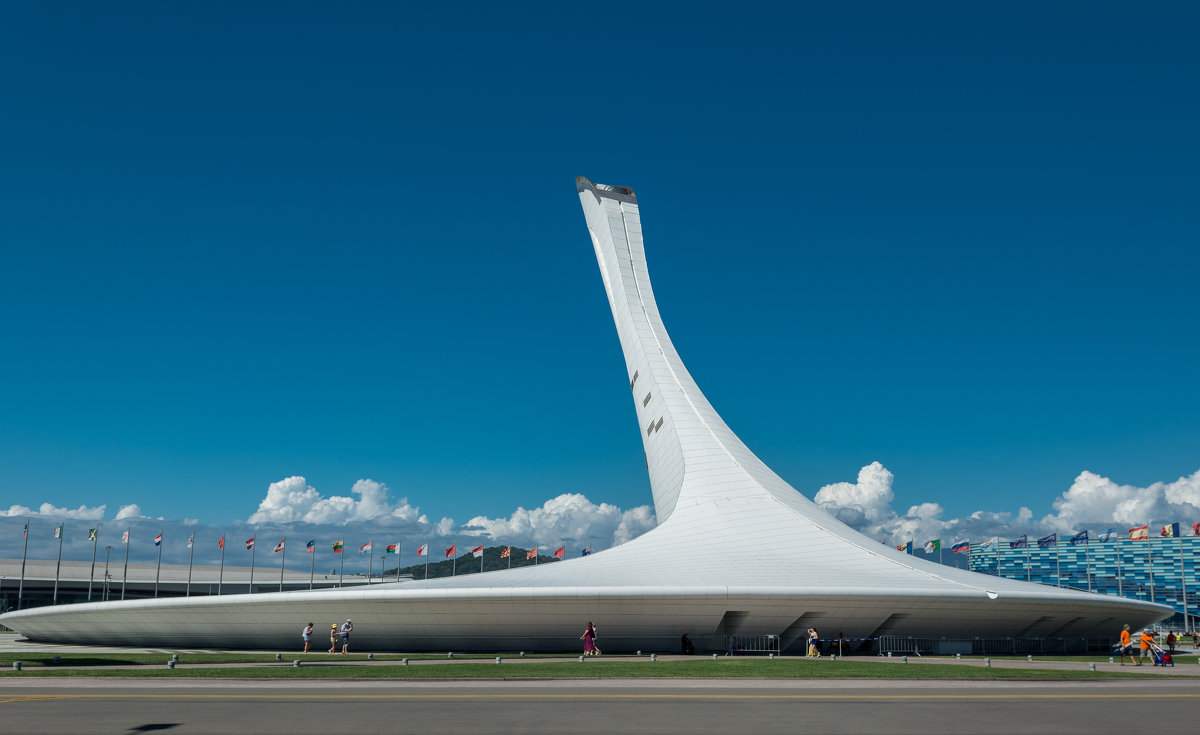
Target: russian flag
x=964, y=545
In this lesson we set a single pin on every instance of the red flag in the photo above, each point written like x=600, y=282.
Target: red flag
x=531, y=553
x=279, y=546
x=221, y=543
x=477, y=551
x=505, y=554
x=250, y=543
x=1141, y=533
x=450, y=551
x=560, y=552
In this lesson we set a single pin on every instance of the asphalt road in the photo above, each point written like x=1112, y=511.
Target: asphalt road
x=601, y=706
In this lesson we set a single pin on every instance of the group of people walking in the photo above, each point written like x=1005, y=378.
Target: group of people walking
x=338, y=636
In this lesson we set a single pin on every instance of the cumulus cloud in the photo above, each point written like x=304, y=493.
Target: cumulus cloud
x=293, y=499
x=131, y=511
x=866, y=505
x=83, y=512
x=568, y=517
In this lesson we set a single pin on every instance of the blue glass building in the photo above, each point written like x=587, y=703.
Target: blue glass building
x=1157, y=569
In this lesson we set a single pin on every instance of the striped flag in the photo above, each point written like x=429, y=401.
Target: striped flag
x=311, y=548
x=1107, y=535
x=250, y=543
x=390, y=548
x=423, y=550
x=932, y=546
x=477, y=551
x=58, y=532
x=220, y=544
x=279, y=546
x=586, y=551
x=191, y=540
x=959, y=546
x=1141, y=533
x=506, y=553
x=158, y=540
x=366, y=548
x=337, y=547
x=125, y=538
x=1170, y=530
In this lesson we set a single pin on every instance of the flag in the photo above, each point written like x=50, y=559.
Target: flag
x=505, y=554
x=932, y=546
x=366, y=548
x=1108, y=535
x=1196, y=528
x=423, y=550
x=26, y=531
x=1170, y=531
x=993, y=541
x=191, y=540
x=91, y=534
x=390, y=548
x=1048, y=541
x=1021, y=543
x=531, y=553
x=450, y=551
x=1079, y=538
x=337, y=546
x=158, y=540
x=279, y=546
x=906, y=548
x=560, y=552
x=1141, y=533
x=58, y=532
x=586, y=551
x=311, y=548
x=477, y=552
x=964, y=545
x=125, y=538
x=220, y=544
x=250, y=543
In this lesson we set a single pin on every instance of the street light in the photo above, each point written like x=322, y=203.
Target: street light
x=107, y=549
x=382, y=559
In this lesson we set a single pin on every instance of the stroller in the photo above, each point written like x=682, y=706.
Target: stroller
x=1161, y=657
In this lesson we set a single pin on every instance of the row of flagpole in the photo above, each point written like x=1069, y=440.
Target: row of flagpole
x=281, y=547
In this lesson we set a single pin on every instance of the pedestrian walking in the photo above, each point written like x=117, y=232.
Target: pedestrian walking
x=1125, y=647
x=347, y=627
x=306, y=636
x=1146, y=643
x=334, y=636
x=813, y=639
x=589, y=640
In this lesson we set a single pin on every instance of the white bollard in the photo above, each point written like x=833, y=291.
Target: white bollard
x=279, y=657
x=370, y=657
x=581, y=659
x=174, y=657
x=889, y=654
x=904, y=659
x=497, y=659
x=771, y=656
x=295, y=663
x=639, y=652
x=958, y=657
x=653, y=657
x=987, y=662
x=170, y=664
x=714, y=657
x=450, y=655
x=522, y=654
x=1110, y=659
x=404, y=662
x=1029, y=657
x=1091, y=667
x=16, y=665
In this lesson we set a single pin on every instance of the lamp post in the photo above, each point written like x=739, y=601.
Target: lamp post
x=107, y=549
x=382, y=559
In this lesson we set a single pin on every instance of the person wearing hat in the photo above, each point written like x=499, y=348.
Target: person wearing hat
x=333, y=638
x=1147, y=640
x=346, y=628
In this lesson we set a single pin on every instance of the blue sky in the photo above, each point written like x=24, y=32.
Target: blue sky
x=240, y=245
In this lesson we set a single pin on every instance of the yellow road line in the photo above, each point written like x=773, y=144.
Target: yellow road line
x=614, y=696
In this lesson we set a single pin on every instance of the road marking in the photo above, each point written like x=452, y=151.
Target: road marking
x=600, y=696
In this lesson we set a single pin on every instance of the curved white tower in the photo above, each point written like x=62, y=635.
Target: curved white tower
x=737, y=550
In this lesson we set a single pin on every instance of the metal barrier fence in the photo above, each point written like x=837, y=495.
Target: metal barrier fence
x=890, y=644
x=735, y=644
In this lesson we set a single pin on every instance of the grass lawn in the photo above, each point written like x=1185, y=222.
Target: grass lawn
x=640, y=669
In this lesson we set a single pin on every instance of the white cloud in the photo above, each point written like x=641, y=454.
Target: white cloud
x=131, y=511
x=83, y=512
x=293, y=499
x=568, y=517
x=1090, y=501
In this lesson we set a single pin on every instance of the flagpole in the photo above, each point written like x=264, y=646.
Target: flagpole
x=1150, y=559
x=282, y=562
x=399, y=548
x=158, y=569
x=1120, y=583
x=342, y=564
x=253, y=548
x=426, y=561
x=125, y=572
x=510, y=555
x=535, y=554
x=1057, y=561
x=24, y=554
x=92, y=574
x=312, y=568
x=1087, y=556
x=454, y=563
x=191, y=556
x=1183, y=582
x=1028, y=571
x=370, y=559
x=221, y=573
x=58, y=567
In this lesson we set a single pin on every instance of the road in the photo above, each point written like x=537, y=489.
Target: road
x=600, y=706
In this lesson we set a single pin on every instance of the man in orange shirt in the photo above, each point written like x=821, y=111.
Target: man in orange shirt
x=1126, y=646
x=1147, y=640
